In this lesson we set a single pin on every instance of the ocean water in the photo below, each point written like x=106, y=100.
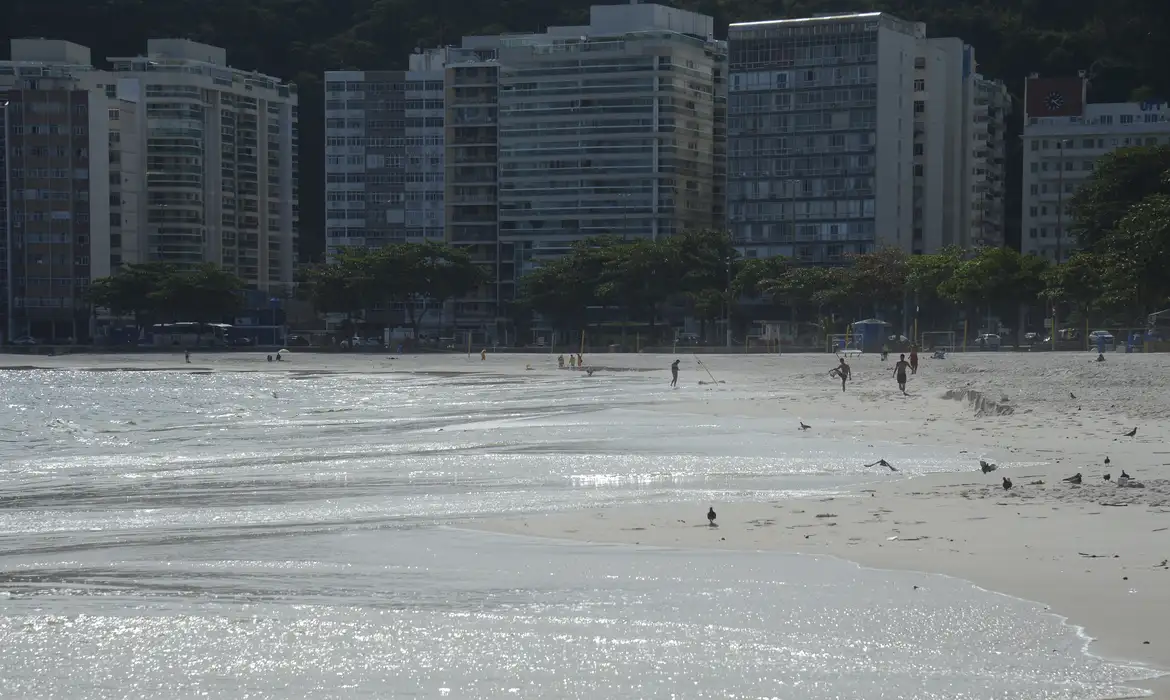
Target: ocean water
x=174, y=534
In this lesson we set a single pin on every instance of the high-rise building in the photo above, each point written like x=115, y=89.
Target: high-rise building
x=604, y=129
x=60, y=134
x=471, y=204
x=384, y=154
x=992, y=104
x=847, y=133
x=1063, y=137
x=220, y=165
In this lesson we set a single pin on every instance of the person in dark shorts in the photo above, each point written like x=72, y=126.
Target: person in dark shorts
x=900, y=372
x=674, y=373
x=842, y=372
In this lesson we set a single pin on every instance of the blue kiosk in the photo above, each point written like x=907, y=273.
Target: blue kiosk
x=870, y=335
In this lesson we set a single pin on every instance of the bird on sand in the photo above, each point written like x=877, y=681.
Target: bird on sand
x=1074, y=479
x=1071, y=395
x=1106, y=460
x=803, y=426
x=1007, y=483
x=1131, y=433
x=1107, y=477
x=987, y=466
x=711, y=515
x=883, y=463
x=1124, y=475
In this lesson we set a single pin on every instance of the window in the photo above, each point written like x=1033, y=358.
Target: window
x=1087, y=143
x=919, y=106
x=1127, y=119
x=918, y=171
x=919, y=85
x=1033, y=211
x=1035, y=145
x=1035, y=189
x=920, y=62
x=114, y=114
x=918, y=149
x=1032, y=232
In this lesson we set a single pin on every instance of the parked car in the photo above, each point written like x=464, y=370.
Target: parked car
x=988, y=341
x=26, y=340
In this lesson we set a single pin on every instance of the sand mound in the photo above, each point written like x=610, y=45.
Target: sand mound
x=978, y=401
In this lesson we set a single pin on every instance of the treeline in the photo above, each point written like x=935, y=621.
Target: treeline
x=418, y=276
x=157, y=292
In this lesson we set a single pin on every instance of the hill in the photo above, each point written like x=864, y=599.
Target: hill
x=1121, y=42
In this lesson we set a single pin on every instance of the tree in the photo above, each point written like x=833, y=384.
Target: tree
x=1136, y=255
x=1078, y=281
x=331, y=288
x=130, y=290
x=564, y=288
x=1120, y=180
x=206, y=294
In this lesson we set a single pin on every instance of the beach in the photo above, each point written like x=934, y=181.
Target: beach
x=1095, y=553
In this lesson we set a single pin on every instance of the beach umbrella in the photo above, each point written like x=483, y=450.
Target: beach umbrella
x=281, y=350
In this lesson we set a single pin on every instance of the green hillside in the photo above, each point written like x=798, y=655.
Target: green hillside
x=1121, y=42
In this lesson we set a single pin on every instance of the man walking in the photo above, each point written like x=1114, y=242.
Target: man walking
x=674, y=373
x=900, y=373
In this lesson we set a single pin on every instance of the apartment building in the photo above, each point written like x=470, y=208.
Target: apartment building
x=220, y=166
x=991, y=106
x=384, y=154
x=847, y=133
x=59, y=120
x=1063, y=137
x=471, y=164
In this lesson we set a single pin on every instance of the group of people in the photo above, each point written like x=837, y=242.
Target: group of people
x=575, y=361
x=843, y=372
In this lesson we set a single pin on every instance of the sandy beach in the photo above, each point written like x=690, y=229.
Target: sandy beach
x=1095, y=553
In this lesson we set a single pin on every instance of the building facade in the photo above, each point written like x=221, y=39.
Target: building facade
x=847, y=133
x=992, y=105
x=1063, y=137
x=384, y=154
x=221, y=162
x=59, y=116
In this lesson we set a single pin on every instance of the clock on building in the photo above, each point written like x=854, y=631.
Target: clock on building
x=1054, y=101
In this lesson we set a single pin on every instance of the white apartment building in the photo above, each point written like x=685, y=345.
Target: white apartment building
x=850, y=132
x=59, y=152
x=220, y=165
x=384, y=154
x=606, y=128
x=1063, y=138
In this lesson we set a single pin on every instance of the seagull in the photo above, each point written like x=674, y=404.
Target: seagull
x=883, y=463
x=711, y=516
x=1131, y=433
x=1124, y=475
x=803, y=426
x=1007, y=483
x=1071, y=395
x=1074, y=479
x=1106, y=460
x=1107, y=477
x=987, y=466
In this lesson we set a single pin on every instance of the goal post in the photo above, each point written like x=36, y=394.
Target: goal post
x=938, y=340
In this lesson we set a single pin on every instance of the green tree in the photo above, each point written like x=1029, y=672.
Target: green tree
x=563, y=289
x=131, y=290
x=879, y=278
x=1136, y=256
x=1077, y=281
x=206, y=294
x=1120, y=180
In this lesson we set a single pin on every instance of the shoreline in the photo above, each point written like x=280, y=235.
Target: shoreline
x=1092, y=554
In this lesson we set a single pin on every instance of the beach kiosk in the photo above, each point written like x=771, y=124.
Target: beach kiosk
x=870, y=335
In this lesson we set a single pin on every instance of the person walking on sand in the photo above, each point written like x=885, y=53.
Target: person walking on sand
x=913, y=359
x=674, y=373
x=900, y=372
x=843, y=372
